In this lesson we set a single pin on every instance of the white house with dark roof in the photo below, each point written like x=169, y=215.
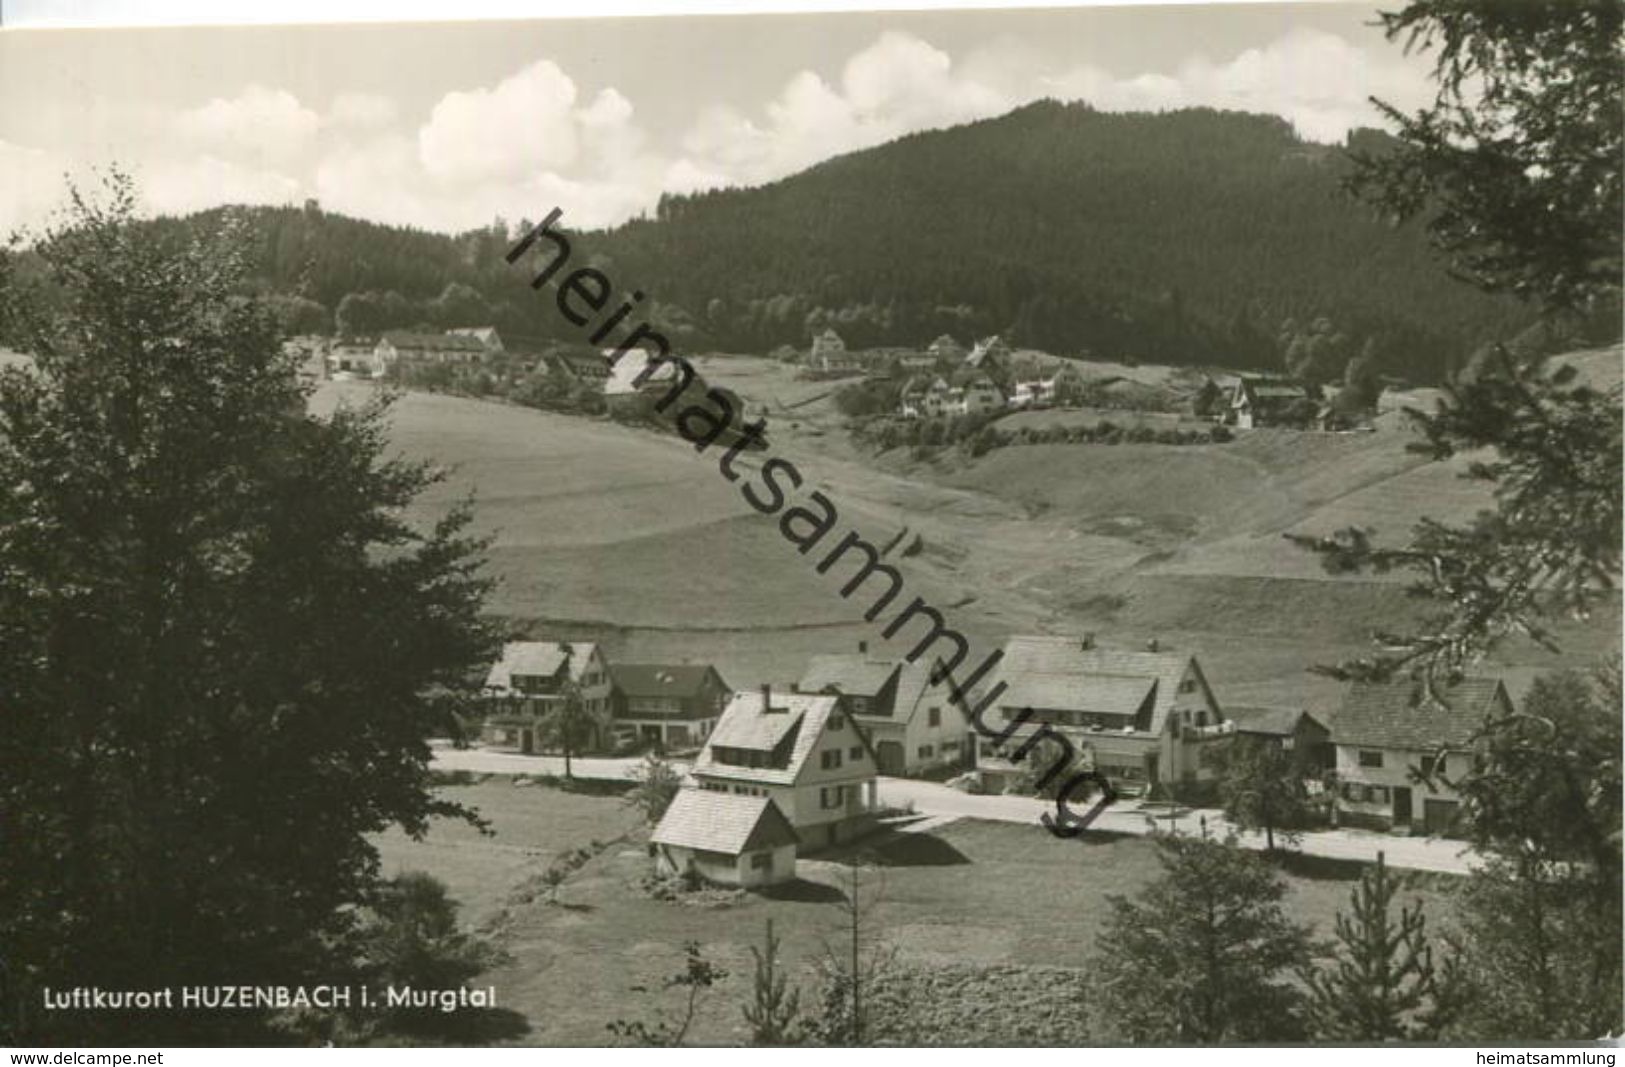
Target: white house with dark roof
x=1142, y=719
x=530, y=679
x=911, y=724
x=801, y=751
x=728, y=838
x=406, y=346
x=1398, y=745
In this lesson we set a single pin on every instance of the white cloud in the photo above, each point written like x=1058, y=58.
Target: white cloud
x=259, y=126
x=205, y=180
x=526, y=124
x=361, y=110
x=33, y=186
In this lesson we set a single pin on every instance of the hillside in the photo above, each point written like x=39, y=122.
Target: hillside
x=1181, y=238
x=1184, y=237
x=618, y=535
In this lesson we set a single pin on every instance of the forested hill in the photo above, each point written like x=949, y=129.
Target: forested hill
x=1186, y=237
x=1181, y=237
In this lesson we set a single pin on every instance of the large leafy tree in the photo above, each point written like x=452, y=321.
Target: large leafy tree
x=223, y=645
x=1261, y=785
x=1516, y=167
x=1202, y=955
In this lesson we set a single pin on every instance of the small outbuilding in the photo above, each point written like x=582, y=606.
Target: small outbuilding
x=727, y=838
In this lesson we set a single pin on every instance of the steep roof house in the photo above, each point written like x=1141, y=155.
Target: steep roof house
x=727, y=838
x=671, y=706
x=528, y=682
x=945, y=348
x=405, y=346
x=1142, y=719
x=1398, y=747
x=623, y=386
x=1257, y=401
x=911, y=724
x=485, y=335
x=801, y=751
x=829, y=353
x=991, y=355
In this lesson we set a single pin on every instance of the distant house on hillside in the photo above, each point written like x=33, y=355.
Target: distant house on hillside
x=912, y=725
x=1391, y=734
x=978, y=395
x=725, y=838
x=585, y=366
x=801, y=751
x=485, y=335
x=671, y=706
x=638, y=374
x=946, y=350
x=829, y=353
x=1046, y=390
x=528, y=682
x=1271, y=402
x=1142, y=719
x=1212, y=400
x=399, y=347
x=354, y=355
x=991, y=356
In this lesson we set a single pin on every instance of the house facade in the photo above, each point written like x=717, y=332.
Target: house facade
x=635, y=376
x=354, y=355
x=799, y=750
x=912, y=725
x=1292, y=730
x=672, y=707
x=485, y=335
x=829, y=353
x=1142, y=719
x=1399, y=748
x=1256, y=402
x=1046, y=390
x=404, y=346
x=528, y=682
x=979, y=395
x=726, y=838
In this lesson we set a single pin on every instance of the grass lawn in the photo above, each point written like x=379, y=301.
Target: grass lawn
x=981, y=916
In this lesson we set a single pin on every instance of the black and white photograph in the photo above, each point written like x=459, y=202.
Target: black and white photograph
x=993, y=527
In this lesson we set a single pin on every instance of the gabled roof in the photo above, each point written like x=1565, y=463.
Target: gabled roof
x=798, y=720
x=986, y=348
x=539, y=658
x=434, y=342
x=623, y=376
x=854, y=675
x=1060, y=674
x=1275, y=722
x=1399, y=714
x=661, y=680
x=729, y=823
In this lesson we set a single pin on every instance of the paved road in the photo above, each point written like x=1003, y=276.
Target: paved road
x=931, y=799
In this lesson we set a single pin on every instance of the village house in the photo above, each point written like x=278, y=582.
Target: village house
x=354, y=355
x=1046, y=390
x=1256, y=402
x=829, y=353
x=727, y=838
x=623, y=388
x=799, y=750
x=485, y=335
x=977, y=396
x=945, y=351
x=911, y=398
x=588, y=366
x=530, y=680
x=1398, y=748
x=671, y=707
x=1142, y=719
x=912, y=725
x=1292, y=730
x=405, y=347
x=990, y=356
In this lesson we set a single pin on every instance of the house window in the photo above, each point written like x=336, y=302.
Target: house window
x=761, y=861
x=925, y=751
x=834, y=723
x=1188, y=685
x=831, y=797
x=855, y=752
x=1201, y=718
x=933, y=717
x=830, y=759
x=1370, y=758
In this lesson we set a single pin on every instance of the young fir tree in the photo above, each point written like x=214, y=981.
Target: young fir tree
x=774, y=1012
x=1382, y=984
x=1203, y=954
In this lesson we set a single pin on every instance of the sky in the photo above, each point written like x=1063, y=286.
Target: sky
x=448, y=125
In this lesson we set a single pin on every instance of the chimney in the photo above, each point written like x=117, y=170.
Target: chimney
x=863, y=647
x=1088, y=642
